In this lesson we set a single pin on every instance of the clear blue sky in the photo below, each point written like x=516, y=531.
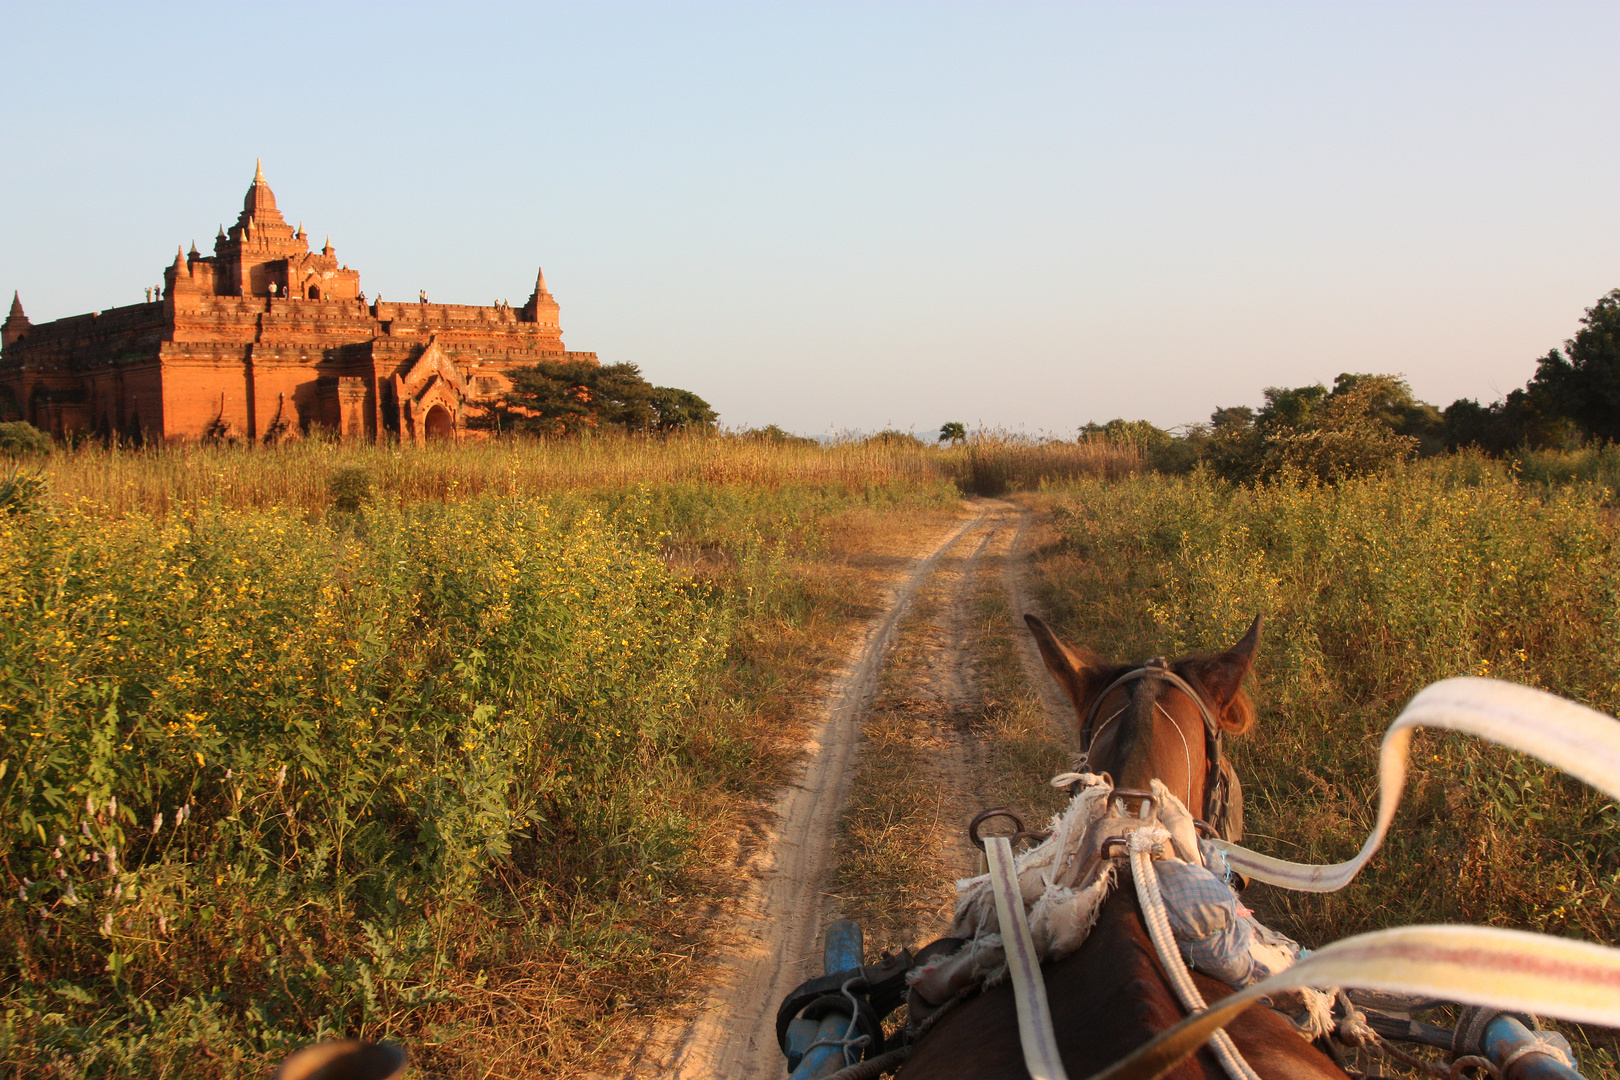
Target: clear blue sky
x=850, y=216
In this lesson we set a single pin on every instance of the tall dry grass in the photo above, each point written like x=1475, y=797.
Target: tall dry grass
x=156, y=480
x=995, y=464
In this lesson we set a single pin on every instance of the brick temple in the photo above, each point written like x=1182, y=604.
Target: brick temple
x=267, y=340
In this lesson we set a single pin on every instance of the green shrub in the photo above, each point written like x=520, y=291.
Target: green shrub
x=20, y=437
x=20, y=492
x=351, y=487
x=253, y=769
x=1594, y=465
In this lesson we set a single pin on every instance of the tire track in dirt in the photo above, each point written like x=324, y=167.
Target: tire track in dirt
x=773, y=944
x=1015, y=565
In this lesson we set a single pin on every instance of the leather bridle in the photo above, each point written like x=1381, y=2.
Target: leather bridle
x=1216, y=789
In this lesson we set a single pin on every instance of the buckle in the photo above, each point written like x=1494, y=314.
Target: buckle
x=1138, y=805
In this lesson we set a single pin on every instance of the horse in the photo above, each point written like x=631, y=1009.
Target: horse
x=1111, y=995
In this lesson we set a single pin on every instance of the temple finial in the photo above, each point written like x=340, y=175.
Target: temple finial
x=258, y=171
x=540, y=282
x=16, y=307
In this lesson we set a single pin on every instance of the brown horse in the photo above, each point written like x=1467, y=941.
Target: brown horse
x=1111, y=995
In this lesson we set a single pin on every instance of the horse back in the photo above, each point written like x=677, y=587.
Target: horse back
x=1107, y=998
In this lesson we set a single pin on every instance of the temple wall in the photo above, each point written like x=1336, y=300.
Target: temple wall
x=201, y=386
x=126, y=401
x=97, y=336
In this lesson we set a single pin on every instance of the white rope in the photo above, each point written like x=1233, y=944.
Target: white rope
x=1141, y=843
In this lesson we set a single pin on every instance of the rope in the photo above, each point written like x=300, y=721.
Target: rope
x=1538, y=1045
x=850, y=1039
x=1141, y=842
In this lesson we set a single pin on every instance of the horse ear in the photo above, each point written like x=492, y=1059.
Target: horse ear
x=1223, y=675
x=1070, y=665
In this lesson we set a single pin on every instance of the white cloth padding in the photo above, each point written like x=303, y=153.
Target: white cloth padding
x=1064, y=881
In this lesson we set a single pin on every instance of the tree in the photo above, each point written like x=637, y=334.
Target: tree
x=1583, y=382
x=680, y=410
x=953, y=432
x=1364, y=424
x=1350, y=433
x=1526, y=417
x=567, y=398
x=771, y=433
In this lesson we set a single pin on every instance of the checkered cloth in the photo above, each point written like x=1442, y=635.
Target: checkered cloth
x=1214, y=936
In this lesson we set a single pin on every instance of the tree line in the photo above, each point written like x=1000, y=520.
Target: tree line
x=567, y=398
x=1365, y=422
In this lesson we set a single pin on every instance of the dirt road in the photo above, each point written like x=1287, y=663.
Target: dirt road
x=774, y=940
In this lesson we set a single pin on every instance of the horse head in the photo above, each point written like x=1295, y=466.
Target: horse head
x=1160, y=720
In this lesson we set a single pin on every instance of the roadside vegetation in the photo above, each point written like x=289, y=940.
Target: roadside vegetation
x=1372, y=589
x=427, y=746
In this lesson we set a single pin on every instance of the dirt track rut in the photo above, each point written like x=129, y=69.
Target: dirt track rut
x=774, y=940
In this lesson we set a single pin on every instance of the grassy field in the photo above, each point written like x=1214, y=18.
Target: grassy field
x=433, y=745
x=424, y=745
x=1372, y=590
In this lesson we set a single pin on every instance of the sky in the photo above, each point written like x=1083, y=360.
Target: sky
x=844, y=217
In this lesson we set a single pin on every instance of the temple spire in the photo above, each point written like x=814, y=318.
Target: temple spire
x=15, y=323
x=540, y=282
x=260, y=202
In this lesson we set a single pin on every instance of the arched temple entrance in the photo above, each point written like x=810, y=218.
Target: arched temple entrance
x=438, y=424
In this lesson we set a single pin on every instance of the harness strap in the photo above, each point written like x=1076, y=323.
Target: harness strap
x=1023, y=966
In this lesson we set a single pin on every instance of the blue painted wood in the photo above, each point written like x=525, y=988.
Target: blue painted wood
x=800, y=1034
x=845, y=949
x=1504, y=1035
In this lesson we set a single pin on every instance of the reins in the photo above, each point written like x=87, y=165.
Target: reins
x=1215, y=786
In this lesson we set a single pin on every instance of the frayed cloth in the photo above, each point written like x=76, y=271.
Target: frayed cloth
x=1064, y=880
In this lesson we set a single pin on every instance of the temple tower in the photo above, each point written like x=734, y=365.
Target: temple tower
x=252, y=255
x=16, y=322
x=542, y=306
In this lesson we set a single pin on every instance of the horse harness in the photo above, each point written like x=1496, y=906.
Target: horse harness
x=1223, y=796
x=877, y=989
